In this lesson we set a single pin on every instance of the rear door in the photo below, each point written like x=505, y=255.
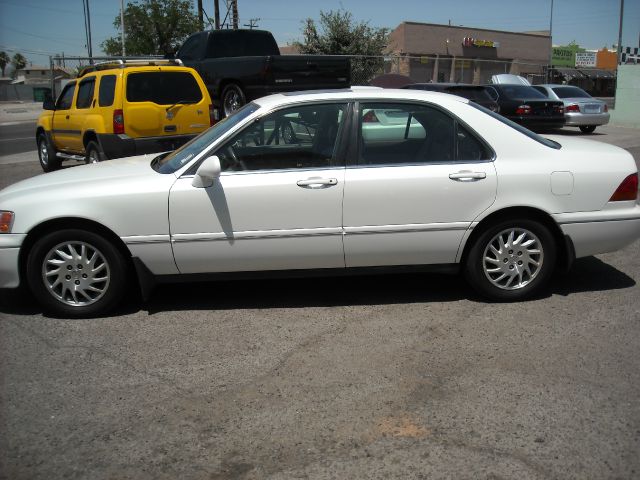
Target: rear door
x=414, y=186
x=164, y=102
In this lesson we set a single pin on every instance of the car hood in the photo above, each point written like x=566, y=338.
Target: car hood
x=108, y=172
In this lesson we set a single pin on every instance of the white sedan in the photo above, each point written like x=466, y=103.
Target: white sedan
x=451, y=186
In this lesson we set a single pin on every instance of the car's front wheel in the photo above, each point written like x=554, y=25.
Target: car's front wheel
x=587, y=128
x=47, y=154
x=76, y=273
x=511, y=260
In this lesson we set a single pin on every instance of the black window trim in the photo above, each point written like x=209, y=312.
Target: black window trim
x=354, y=151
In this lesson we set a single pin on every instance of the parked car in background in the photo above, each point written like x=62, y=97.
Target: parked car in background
x=527, y=106
x=241, y=65
x=475, y=93
x=123, y=108
x=458, y=188
x=580, y=109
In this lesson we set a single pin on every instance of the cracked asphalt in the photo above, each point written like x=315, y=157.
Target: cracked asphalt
x=403, y=376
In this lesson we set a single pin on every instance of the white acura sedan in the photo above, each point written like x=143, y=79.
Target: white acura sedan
x=446, y=185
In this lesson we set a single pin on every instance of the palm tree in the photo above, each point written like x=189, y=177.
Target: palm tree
x=19, y=62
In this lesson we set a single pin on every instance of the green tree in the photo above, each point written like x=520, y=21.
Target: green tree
x=153, y=27
x=4, y=61
x=339, y=34
x=19, y=62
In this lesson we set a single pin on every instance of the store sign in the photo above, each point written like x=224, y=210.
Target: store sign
x=474, y=42
x=586, y=59
x=563, y=57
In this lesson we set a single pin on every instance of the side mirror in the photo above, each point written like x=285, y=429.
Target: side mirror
x=48, y=104
x=207, y=172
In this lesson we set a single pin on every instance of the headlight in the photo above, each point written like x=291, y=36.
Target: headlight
x=6, y=221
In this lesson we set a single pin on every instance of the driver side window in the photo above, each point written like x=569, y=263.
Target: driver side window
x=300, y=137
x=66, y=97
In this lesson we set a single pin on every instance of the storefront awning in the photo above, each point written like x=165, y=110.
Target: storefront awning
x=569, y=73
x=594, y=73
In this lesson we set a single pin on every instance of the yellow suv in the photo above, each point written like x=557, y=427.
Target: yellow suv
x=123, y=108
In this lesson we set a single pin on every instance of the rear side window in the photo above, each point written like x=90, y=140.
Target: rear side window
x=107, y=90
x=163, y=88
x=85, y=93
x=238, y=43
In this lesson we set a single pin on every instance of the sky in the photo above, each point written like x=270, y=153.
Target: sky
x=39, y=28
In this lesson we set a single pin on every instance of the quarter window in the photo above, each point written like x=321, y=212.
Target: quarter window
x=66, y=97
x=299, y=137
x=107, y=90
x=85, y=93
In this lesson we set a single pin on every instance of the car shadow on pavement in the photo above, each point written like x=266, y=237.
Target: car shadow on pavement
x=587, y=275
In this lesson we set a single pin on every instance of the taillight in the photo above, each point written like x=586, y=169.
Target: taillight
x=559, y=109
x=628, y=189
x=572, y=108
x=605, y=109
x=523, y=110
x=118, y=121
x=214, y=115
x=370, y=117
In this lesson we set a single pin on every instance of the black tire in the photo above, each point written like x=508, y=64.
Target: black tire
x=47, y=154
x=232, y=99
x=587, y=128
x=94, y=153
x=483, y=271
x=65, y=299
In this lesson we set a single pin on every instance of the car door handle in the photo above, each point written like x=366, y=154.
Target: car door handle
x=317, y=182
x=467, y=176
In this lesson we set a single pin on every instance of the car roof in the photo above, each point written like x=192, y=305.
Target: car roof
x=357, y=93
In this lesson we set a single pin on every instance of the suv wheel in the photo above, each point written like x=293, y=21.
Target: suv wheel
x=94, y=153
x=47, y=154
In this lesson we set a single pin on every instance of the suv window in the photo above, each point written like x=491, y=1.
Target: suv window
x=107, y=90
x=393, y=134
x=303, y=136
x=66, y=97
x=163, y=88
x=85, y=92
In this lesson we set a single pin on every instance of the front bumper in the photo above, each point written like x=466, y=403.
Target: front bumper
x=118, y=146
x=9, y=254
x=579, y=119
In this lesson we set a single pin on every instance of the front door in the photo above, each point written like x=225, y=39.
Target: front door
x=65, y=136
x=277, y=204
x=415, y=184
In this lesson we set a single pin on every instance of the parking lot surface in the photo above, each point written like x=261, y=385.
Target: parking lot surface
x=402, y=376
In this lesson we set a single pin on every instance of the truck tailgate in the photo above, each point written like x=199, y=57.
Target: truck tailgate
x=296, y=72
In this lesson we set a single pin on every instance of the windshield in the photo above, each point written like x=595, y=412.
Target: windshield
x=178, y=158
x=525, y=131
x=570, y=92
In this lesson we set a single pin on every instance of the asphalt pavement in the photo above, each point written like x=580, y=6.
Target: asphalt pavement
x=390, y=377
x=17, y=138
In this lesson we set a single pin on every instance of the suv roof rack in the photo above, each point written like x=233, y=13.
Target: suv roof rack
x=123, y=63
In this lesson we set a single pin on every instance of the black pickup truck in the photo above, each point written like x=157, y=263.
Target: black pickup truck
x=240, y=65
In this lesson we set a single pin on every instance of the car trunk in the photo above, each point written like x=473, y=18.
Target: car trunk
x=544, y=108
x=586, y=105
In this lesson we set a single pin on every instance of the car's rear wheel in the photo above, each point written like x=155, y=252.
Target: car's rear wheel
x=93, y=153
x=232, y=99
x=76, y=273
x=47, y=154
x=587, y=128
x=511, y=260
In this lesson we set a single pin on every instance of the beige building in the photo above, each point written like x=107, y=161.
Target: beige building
x=442, y=53
x=41, y=75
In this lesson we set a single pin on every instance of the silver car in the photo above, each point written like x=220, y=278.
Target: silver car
x=580, y=109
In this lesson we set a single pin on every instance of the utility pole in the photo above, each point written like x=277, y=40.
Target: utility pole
x=216, y=11
x=253, y=23
x=620, y=32
x=551, y=44
x=234, y=14
x=200, y=19
x=87, y=26
x=124, y=50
